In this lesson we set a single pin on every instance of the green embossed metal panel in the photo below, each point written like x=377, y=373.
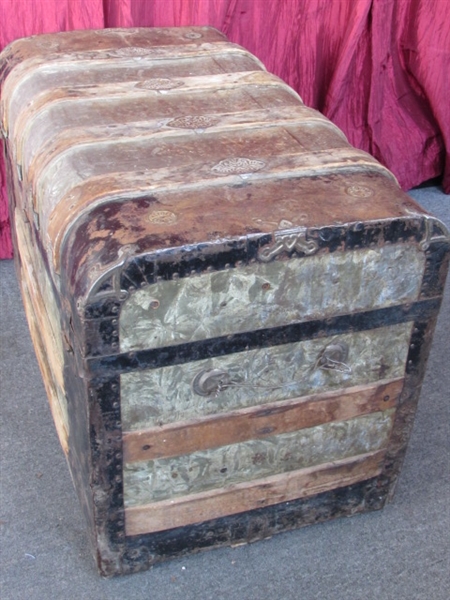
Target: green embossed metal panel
x=269, y=294
x=165, y=395
x=151, y=481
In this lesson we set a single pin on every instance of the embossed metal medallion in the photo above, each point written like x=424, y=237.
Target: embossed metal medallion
x=238, y=165
x=193, y=122
x=193, y=35
x=159, y=84
x=287, y=242
x=359, y=191
x=131, y=51
x=162, y=217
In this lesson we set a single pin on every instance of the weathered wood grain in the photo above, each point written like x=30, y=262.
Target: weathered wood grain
x=168, y=514
x=43, y=320
x=259, y=422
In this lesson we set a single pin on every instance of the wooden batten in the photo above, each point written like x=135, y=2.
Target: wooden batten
x=213, y=504
x=259, y=422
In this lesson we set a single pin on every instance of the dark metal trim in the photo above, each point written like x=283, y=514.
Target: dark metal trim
x=184, y=261
x=144, y=550
x=262, y=338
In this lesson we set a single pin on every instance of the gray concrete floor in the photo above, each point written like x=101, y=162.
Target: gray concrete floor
x=400, y=553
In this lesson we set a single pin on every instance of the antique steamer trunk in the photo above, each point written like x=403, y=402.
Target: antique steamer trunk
x=231, y=307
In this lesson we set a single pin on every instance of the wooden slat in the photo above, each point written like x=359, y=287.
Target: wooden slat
x=259, y=422
x=43, y=330
x=197, y=508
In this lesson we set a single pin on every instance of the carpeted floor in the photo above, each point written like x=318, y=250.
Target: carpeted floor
x=400, y=553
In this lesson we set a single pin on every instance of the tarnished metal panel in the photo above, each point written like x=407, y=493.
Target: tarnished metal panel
x=268, y=295
x=160, y=396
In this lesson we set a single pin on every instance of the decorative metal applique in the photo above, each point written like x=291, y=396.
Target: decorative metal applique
x=288, y=242
x=131, y=51
x=193, y=35
x=47, y=44
x=359, y=191
x=193, y=122
x=162, y=217
x=435, y=231
x=237, y=166
x=159, y=84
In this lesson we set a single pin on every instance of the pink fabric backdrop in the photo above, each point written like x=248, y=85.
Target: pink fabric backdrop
x=378, y=68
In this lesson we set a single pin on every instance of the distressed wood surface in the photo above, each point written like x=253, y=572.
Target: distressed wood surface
x=254, y=423
x=196, y=508
x=124, y=118
x=45, y=328
x=215, y=468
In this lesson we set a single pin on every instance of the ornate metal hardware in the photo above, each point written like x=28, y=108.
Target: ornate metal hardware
x=211, y=382
x=333, y=357
x=287, y=242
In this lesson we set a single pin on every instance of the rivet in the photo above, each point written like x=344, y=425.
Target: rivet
x=227, y=265
x=266, y=286
x=412, y=346
x=120, y=523
x=115, y=405
x=114, y=321
x=154, y=304
x=386, y=398
x=114, y=344
x=118, y=478
x=118, y=423
x=120, y=534
x=115, y=309
x=114, y=386
x=119, y=466
x=410, y=362
x=119, y=456
x=176, y=276
x=146, y=447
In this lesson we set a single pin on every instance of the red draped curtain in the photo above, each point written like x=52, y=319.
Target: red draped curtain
x=379, y=69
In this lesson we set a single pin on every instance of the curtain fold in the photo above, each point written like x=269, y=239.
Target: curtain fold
x=379, y=69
